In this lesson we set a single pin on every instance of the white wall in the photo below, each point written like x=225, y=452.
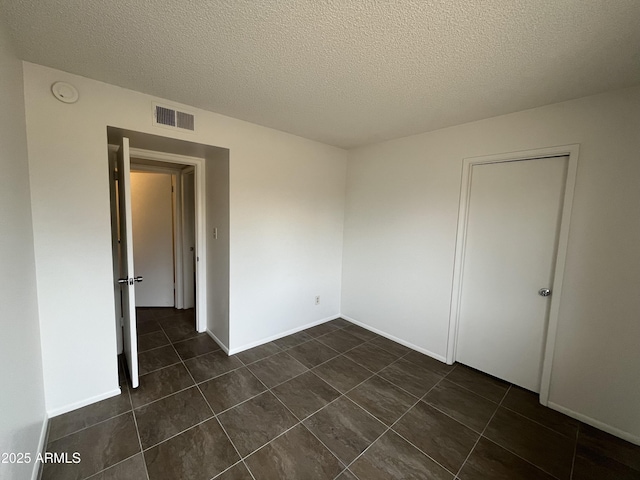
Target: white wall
x=400, y=230
x=286, y=220
x=152, y=223
x=22, y=399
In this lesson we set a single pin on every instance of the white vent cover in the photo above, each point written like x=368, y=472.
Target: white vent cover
x=169, y=117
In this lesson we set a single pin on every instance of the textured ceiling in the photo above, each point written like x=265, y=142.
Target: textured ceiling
x=343, y=72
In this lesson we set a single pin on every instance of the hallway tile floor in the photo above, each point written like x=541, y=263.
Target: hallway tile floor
x=335, y=401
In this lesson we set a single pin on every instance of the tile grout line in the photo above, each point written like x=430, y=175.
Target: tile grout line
x=135, y=422
x=214, y=415
x=575, y=452
x=390, y=428
x=481, y=433
x=89, y=426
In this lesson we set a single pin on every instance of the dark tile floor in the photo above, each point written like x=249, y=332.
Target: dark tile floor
x=333, y=402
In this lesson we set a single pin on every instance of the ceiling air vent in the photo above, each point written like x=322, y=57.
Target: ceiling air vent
x=169, y=117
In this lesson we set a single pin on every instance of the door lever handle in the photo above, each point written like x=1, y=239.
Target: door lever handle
x=123, y=280
x=138, y=279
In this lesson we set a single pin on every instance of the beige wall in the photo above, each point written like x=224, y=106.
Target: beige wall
x=400, y=230
x=22, y=393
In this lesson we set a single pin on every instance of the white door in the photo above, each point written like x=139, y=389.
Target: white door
x=152, y=221
x=510, y=250
x=128, y=279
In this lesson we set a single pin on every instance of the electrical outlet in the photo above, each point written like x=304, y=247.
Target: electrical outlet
x=317, y=299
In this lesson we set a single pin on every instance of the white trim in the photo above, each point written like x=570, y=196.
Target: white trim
x=42, y=443
x=83, y=403
x=218, y=341
x=233, y=351
x=558, y=277
x=630, y=437
x=201, y=225
x=410, y=345
x=176, y=205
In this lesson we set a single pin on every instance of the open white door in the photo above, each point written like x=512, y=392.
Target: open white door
x=127, y=280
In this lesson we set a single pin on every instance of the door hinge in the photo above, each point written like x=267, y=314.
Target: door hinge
x=115, y=175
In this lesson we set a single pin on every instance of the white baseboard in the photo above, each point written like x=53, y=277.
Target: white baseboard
x=218, y=341
x=630, y=437
x=247, y=346
x=83, y=403
x=410, y=345
x=42, y=443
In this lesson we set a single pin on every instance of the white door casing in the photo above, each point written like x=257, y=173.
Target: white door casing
x=497, y=284
x=130, y=339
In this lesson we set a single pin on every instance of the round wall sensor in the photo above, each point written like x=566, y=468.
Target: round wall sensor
x=65, y=92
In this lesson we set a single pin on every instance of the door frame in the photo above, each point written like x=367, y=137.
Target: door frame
x=177, y=212
x=200, y=219
x=561, y=252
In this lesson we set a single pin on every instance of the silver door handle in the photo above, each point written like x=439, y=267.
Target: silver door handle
x=123, y=280
x=544, y=292
x=138, y=279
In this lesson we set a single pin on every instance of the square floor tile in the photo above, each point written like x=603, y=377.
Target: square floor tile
x=548, y=450
x=277, y=369
x=445, y=440
x=321, y=329
x=342, y=373
x=312, y=353
x=305, y=394
x=340, y=341
x=179, y=331
x=465, y=406
x=528, y=404
x=413, y=378
x=148, y=327
x=99, y=447
x=211, y=365
x=346, y=475
x=490, y=461
x=371, y=357
x=295, y=455
x=131, y=469
x=171, y=415
x=393, y=457
x=479, y=383
x=292, y=340
x=358, y=331
x=195, y=346
x=237, y=472
x=230, y=389
x=258, y=353
x=382, y=399
x=70, y=422
x=426, y=361
x=156, y=359
x=596, y=443
x=390, y=346
x=340, y=323
x=200, y=453
x=254, y=422
x=152, y=340
x=598, y=467
x=345, y=428
x=160, y=383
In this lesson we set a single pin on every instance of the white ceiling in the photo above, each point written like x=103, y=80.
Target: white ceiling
x=344, y=72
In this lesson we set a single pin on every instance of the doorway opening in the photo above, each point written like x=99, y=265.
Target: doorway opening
x=160, y=250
